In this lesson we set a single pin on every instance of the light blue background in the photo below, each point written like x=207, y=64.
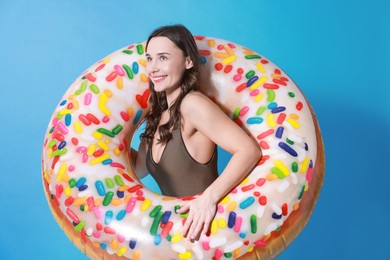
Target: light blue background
x=337, y=51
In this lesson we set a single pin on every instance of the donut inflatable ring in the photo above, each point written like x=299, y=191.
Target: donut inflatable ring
x=105, y=210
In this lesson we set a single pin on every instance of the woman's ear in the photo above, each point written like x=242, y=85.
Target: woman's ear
x=189, y=63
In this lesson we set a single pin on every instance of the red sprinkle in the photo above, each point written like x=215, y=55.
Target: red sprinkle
x=240, y=71
x=284, y=209
x=270, y=86
x=84, y=235
x=281, y=118
x=263, y=200
x=256, y=194
x=265, y=134
x=241, y=87
x=117, y=165
x=101, y=66
x=260, y=182
x=228, y=68
x=111, y=76
x=218, y=66
x=204, y=52
x=69, y=201
x=90, y=77
x=135, y=188
x=85, y=120
x=99, y=226
x=264, y=62
x=109, y=230
x=264, y=145
x=299, y=105
x=280, y=82
x=220, y=47
x=75, y=141
x=127, y=177
x=125, y=116
x=248, y=187
x=59, y=137
x=98, y=153
x=93, y=119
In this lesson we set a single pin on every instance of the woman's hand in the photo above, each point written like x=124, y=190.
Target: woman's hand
x=201, y=212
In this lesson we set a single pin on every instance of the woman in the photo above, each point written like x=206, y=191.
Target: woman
x=183, y=127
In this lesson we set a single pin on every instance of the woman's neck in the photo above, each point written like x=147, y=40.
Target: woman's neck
x=172, y=96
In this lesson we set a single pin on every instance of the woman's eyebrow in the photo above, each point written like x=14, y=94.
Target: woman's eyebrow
x=159, y=54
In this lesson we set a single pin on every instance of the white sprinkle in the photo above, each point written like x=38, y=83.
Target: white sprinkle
x=217, y=242
x=276, y=209
x=282, y=187
x=234, y=246
x=271, y=227
x=178, y=248
x=260, y=211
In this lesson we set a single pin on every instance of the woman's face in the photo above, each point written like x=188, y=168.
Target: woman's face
x=165, y=64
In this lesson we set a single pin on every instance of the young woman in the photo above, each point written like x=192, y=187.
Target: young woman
x=183, y=128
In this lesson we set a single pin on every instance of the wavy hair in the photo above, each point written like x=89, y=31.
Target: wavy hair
x=184, y=40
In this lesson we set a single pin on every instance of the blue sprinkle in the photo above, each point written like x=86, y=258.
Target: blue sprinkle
x=81, y=182
x=121, y=214
x=165, y=217
x=232, y=219
x=242, y=235
x=120, y=194
x=306, y=147
x=203, y=60
x=272, y=105
x=246, y=203
x=279, y=132
x=132, y=243
x=288, y=149
x=100, y=188
x=311, y=164
x=251, y=81
x=276, y=216
x=135, y=67
x=157, y=239
x=107, y=162
x=108, y=217
x=61, y=145
x=68, y=119
x=63, y=103
x=254, y=120
x=103, y=246
x=276, y=110
x=137, y=116
x=83, y=187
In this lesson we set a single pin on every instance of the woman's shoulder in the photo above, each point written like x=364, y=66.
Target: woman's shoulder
x=195, y=100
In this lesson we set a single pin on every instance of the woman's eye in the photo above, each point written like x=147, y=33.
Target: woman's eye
x=163, y=58
x=148, y=59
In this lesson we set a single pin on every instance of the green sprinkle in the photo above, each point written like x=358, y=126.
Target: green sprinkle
x=109, y=183
x=51, y=130
x=118, y=180
x=294, y=167
x=80, y=226
x=82, y=207
x=140, y=49
x=83, y=86
x=250, y=74
x=156, y=222
x=94, y=88
x=260, y=110
x=270, y=95
x=253, y=224
x=106, y=132
x=155, y=211
x=236, y=113
x=291, y=94
x=108, y=198
x=128, y=51
x=60, y=152
x=169, y=238
x=228, y=255
x=72, y=182
x=289, y=141
x=51, y=143
x=249, y=57
x=128, y=71
x=117, y=129
x=302, y=191
x=278, y=172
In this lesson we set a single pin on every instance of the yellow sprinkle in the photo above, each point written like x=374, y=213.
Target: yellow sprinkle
x=271, y=177
x=228, y=50
x=65, y=111
x=103, y=99
x=108, y=92
x=121, y=251
x=276, y=76
x=96, y=244
x=80, y=201
x=107, y=60
x=119, y=83
x=185, y=255
x=305, y=165
x=103, y=146
x=97, y=135
x=104, y=109
x=221, y=223
x=214, y=227
x=130, y=112
x=225, y=200
x=211, y=43
x=117, y=152
x=271, y=120
x=98, y=202
x=67, y=191
x=86, y=207
x=236, y=253
x=260, y=67
x=306, y=187
x=146, y=204
x=282, y=167
x=107, y=141
x=232, y=206
x=296, y=206
x=259, y=97
x=114, y=244
x=229, y=60
x=293, y=123
x=116, y=201
x=245, y=181
x=99, y=159
x=142, y=62
x=78, y=127
x=177, y=237
x=65, y=177
x=258, y=82
x=294, y=116
x=50, y=154
x=250, y=249
x=91, y=149
x=47, y=177
x=137, y=255
x=75, y=105
x=123, y=188
x=127, y=198
x=144, y=78
x=221, y=55
x=61, y=172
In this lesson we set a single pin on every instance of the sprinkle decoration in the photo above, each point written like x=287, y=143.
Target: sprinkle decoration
x=86, y=169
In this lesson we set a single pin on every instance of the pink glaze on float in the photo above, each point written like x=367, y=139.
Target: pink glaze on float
x=86, y=161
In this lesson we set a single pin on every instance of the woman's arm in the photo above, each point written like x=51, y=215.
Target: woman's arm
x=138, y=160
x=207, y=118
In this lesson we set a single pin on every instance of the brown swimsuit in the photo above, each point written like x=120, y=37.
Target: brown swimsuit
x=177, y=173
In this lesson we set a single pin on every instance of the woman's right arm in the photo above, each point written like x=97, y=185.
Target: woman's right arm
x=138, y=160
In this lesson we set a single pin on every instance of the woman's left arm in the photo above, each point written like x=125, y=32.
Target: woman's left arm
x=207, y=118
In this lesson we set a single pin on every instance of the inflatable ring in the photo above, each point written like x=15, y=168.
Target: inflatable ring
x=107, y=213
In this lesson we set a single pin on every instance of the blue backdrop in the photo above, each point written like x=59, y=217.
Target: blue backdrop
x=337, y=51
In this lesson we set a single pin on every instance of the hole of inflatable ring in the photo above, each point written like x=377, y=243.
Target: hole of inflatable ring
x=148, y=180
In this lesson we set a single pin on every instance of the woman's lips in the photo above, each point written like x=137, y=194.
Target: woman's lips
x=158, y=79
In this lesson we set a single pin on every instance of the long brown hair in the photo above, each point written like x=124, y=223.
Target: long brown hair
x=184, y=40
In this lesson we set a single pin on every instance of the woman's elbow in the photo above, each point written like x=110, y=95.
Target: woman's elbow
x=255, y=152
